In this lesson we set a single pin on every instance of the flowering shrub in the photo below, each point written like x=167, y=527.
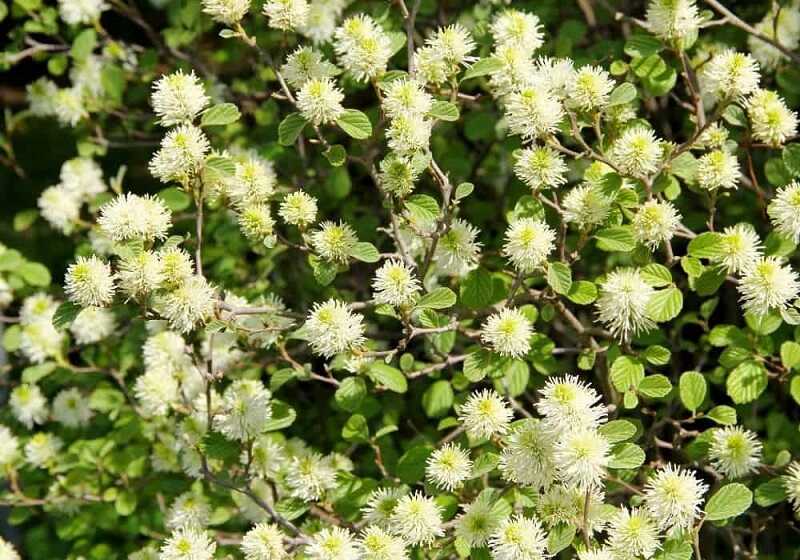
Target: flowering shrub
x=408, y=280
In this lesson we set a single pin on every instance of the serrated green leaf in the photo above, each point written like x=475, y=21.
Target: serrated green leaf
x=290, y=128
x=729, y=501
x=220, y=115
x=355, y=124
x=692, y=389
x=439, y=298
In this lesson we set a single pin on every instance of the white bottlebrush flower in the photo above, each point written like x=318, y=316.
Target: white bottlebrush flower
x=602, y=553
x=40, y=340
x=28, y=405
x=190, y=304
x=140, y=274
x=363, y=48
x=60, y=207
x=448, y=467
x=453, y=44
x=528, y=243
x=718, y=170
x=586, y=206
x=334, y=242
x=286, y=15
x=581, y=457
x=484, y=414
x=589, y=88
x=257, y=224
x=431, y=67
x=457, y=251
x=178, y=98
x=714, y=137
x=246, y=409
x=322, y=18
x=568, y=403
x=540, y=167
x=41, y=94
x=516, y=70
x=791, y=484
x=533, y=113
x=479, y=520
x=409, y=133
x=380, y=506
x=735, y=451
x=771, y=121
x=633, y=534
x=188, y=510
x=673, y=19
x=298, y=209
x=71, y=408
x=132, y=217
x=188, y=543
x=335, y=543
x=655, y=223
x=69, y=106
x=622, y=305
x=519, y=538
x=377, y=544
x=768, y=284
x=75, y=12
x=176, y=266
x=406, y=96
x=42, y=449
x=227, y=12
x=39, y=307
x=417, y=519
x=508, y=333
x=565, y=504
x=264, y=542
x=304, y=64
x=673, y=497
x=181, y=155
x=784, y=211
x=527, y=457
x=82, y=177
x=398, y=175
x=310, y=475
x=395, y=283
x=521, y=29
x=9, y=448
x=637, y=152
x=740, y=248
x=730, y=75
x=333, y=328
x=320, y=101
x=156, y=390
x=7, y=551
x=554, y=73
x=253, y=182
x=89, y=282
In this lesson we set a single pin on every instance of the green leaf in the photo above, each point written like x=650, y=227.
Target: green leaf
x=655, y=386
x=220, y=115
x=665, y=304
x=290, y=128
x=25, y=219
x=324, y=271
x=790, y=354
x=84, y=44
x=483, y=67
x=723, y=414
x=729, y=501
x=481, y=363
x=485, y=464
x=794, y=388
x=616, y=238
x=411, y=465
x=641, y=45
x=175, y=199
x=283, y=416
x=336, y=155
x=351, y=393
x=464, y=190
x=623, y=93
x=791, y=158
x=34, y=374
x=626, y=456
x=355, y=124
x=365, y=252
x=626, y=373
x=657, y=355
x=674, y=550
x=560, y=537
x=656, y=275
x=125, y=502
x=746, y=383
x=617, y=430
x=706, y=245
x=65, y=314
x=439, y=298
x=391, y=378
x=423, y=208
x=770, y=492
x=444, y=111
x=692, y=389
x=220, y=166
x=438, y=399
x=582, y=292
x=559, y=277
x=480, y=289
x=356, y=429
x=34, y=274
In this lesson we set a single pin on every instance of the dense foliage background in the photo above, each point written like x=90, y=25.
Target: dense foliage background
x=388, y=421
